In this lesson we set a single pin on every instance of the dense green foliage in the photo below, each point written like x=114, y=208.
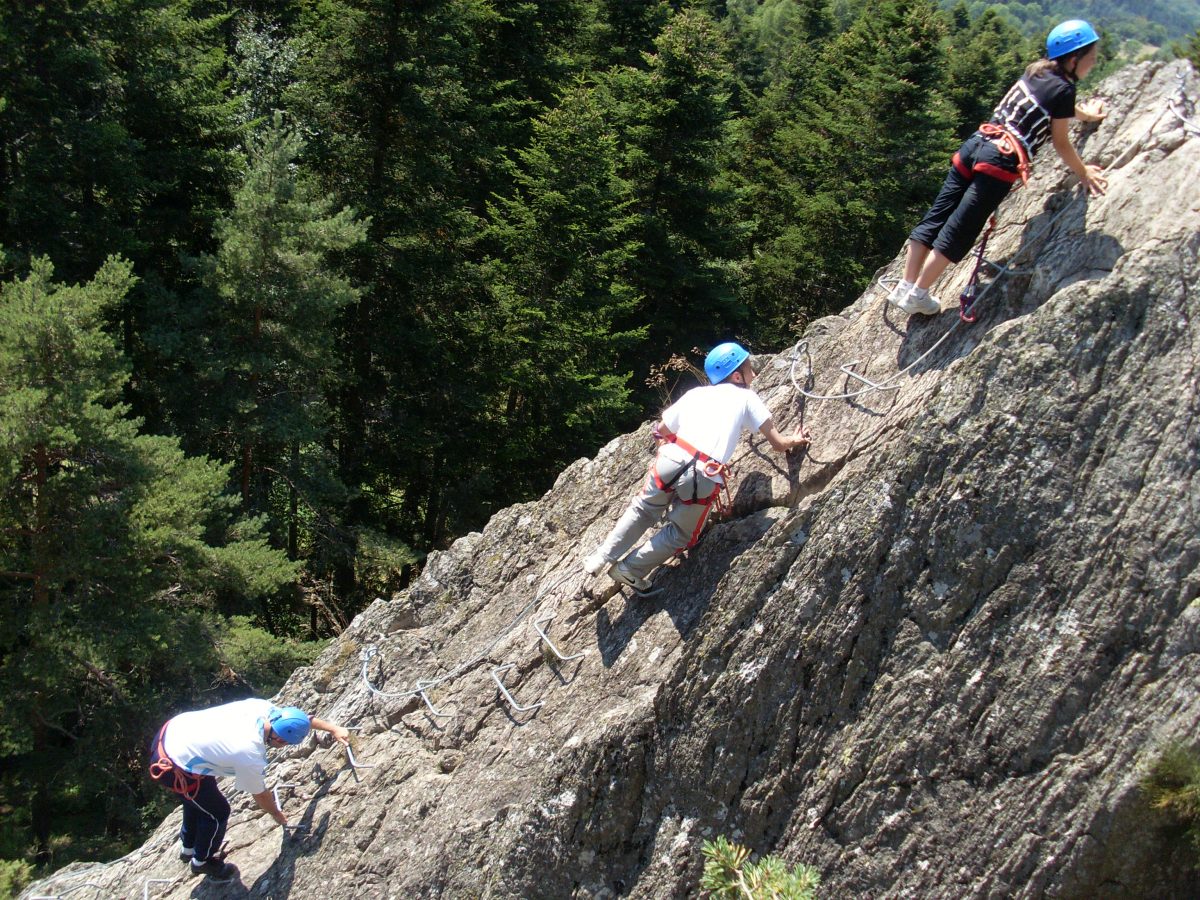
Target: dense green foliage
x=729, y=874
x=1149, y=21
x=296, y=292
x=117, y=546
x=1191, y=49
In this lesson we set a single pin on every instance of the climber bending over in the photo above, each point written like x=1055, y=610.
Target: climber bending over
x=697, y=437
x=194, y=747
x=1035, y=109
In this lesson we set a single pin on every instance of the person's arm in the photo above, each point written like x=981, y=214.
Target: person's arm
x=1092, y=176
x=663, y=434
x=266, y=802
x=339, y=733
x=781, y=443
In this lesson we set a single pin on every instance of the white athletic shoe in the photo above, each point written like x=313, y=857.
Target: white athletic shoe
x=595, y=563
x=921, y=301
x=622, y=575
x=898, y=296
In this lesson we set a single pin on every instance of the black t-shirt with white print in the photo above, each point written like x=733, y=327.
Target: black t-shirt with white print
x=1031, y=103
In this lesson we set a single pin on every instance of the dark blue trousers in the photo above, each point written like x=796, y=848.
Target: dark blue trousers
x=205, y=813
x=979, y=179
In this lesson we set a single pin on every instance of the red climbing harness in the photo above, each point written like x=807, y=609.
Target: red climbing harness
x=712, y=469
x=1010, y=144
x=184, y=783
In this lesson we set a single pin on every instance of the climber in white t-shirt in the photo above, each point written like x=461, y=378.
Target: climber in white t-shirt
x=191, y=750
x=697, y=437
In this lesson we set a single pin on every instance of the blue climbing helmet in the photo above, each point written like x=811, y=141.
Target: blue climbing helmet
x=1069, y=36
x=723, y=360
x=289, y=723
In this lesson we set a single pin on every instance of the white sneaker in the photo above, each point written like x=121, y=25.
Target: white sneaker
x=622, y=575
x=594, y=563
x=898, y=296
x=921, y=301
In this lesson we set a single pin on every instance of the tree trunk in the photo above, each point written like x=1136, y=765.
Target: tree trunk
x=40, y=812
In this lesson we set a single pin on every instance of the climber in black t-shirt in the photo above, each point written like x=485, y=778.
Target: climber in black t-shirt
x=1036, y=109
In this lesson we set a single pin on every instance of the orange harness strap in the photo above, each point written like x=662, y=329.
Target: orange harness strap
x=712, y=469
x=184, y=783
x=1008, y=144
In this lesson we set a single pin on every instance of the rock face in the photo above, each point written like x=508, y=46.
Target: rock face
x=930, y=657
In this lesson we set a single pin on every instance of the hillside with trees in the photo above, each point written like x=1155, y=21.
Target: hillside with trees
x=297, y=291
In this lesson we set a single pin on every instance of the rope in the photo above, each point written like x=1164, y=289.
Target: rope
x=892, y=382
x=1188, y=124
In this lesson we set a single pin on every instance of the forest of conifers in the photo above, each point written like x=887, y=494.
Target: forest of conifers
x=296, y=291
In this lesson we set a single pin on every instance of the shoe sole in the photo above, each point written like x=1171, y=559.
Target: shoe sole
x=649, y=592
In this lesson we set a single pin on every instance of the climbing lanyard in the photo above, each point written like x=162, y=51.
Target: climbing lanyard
x=184, y=783
x=967, y=298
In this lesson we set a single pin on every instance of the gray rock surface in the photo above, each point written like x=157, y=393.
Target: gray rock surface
x=931, y=657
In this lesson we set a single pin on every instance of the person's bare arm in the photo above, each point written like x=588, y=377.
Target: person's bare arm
x=339, y=733
x=1092, y=176
x=266, y=802
x=784, y=443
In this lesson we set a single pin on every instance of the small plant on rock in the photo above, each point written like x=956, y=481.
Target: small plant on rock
x=1172, y=786
x=729, y=874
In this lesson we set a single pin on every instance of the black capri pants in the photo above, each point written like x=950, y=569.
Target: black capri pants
x=980, y=177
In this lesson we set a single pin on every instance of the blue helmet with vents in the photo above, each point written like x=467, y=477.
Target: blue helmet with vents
x=1069, y=36
x=723, y=360
x=289, y=723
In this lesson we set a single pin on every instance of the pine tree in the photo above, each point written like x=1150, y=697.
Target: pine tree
x=834, y=172
x=116, y=138
x=983, y=60
x=415, y=111
x=622, y=31
x=1191, y=50
x=560, y=249
x=267, y=358
x=673, y=117
x=766, y=37
x=112, y=546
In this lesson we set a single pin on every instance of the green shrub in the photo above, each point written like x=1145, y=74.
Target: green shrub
x=263, y=660
x=729, y=874
x=14, y=875
x=1172, y=787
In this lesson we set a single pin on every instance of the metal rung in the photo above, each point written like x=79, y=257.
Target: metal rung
x=275, y=791
x=354, y=764
x=537, y=624
x=865, y=380
x=507, y=696
x=421, y=686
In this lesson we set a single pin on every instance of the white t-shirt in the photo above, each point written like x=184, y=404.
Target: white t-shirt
x=712, y=418
x=223, y=740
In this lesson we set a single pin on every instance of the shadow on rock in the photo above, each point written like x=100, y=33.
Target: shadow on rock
x=687, y=586
x=1055, y=251
x=276, y=881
